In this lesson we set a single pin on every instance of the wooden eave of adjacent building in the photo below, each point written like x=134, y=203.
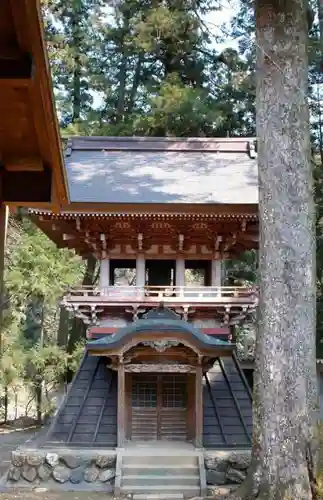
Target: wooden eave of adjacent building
x=222, y=232
x=31, y=160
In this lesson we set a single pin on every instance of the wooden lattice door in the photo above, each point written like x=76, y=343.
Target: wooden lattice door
x=159, y=407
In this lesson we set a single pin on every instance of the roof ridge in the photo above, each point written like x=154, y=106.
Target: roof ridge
x=184, y=144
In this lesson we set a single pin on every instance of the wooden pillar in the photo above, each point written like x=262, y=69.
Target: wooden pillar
x=104, y=274
x=121, y=405
x=216, y=273
x=199, y=407
x=140, y=271
x=180, y=272
x=3, y=231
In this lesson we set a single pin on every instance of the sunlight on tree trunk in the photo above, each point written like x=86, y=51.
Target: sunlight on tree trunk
x=285, y=380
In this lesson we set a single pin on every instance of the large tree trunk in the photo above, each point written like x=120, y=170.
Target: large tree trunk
x=285, y=380
x=3, y=225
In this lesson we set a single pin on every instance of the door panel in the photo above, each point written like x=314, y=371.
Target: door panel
x=173, y=412
x=159, y=407
x=144, y=408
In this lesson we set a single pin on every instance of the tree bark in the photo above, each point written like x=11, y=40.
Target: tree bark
x=3, y=224
x=285, y=398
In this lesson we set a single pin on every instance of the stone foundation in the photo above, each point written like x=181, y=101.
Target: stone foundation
x=226, y=467
x=94, y=470
x=81, y=469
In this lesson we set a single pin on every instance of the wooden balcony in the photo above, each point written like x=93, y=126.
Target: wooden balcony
x=171, y=296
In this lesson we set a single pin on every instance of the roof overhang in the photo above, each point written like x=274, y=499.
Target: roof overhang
x=31, y=161
x=154, y=329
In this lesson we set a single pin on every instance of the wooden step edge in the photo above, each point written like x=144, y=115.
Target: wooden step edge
x=179, y=488
x=159, y=466
x=162, y=478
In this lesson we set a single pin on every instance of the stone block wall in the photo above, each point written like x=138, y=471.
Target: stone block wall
x=81, y=469
x=226, y=467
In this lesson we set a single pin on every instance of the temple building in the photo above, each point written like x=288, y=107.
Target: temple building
x=160, y=375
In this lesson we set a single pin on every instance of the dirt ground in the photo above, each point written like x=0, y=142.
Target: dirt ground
x=44, y=495
x=10, y=439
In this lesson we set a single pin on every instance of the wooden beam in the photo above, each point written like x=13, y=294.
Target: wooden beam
x=16, y=68
x=29, y=29
x=23, y=164
x=26, y=187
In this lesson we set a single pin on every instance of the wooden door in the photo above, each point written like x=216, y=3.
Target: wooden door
x=144, y=407
x=159, y=407
x=173, y=408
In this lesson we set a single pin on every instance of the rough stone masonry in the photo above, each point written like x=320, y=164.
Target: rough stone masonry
x=95, y=469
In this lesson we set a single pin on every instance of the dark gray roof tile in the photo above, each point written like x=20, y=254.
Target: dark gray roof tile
x=107, y=170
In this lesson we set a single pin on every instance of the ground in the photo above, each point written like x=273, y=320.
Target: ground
x=13, y=436
x=41, y=495
x=10, y=438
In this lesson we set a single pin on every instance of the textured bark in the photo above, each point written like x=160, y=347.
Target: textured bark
x=3, y=222
x=285, y=396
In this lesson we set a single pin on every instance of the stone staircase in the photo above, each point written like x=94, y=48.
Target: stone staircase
x=160, y=473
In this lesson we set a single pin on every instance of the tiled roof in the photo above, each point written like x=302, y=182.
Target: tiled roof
x=162, y=170
x=155, y=325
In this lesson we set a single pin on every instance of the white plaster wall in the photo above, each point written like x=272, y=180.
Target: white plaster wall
x=113, y=322
x=206, y=323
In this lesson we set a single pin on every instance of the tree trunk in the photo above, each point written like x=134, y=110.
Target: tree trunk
x=76, y=34
x=3, y=230
x=135, y=84
x=39, y=397
x=63, y=327
x=285, y=398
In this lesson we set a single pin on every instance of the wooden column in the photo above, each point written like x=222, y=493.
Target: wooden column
x=199, y=407
x=3, y=231
x=140, y=270
x=121, y=405
x=216, y=273
x=180, y=274
x=104, y=274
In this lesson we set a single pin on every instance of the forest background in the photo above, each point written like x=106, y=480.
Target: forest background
x=145, y=68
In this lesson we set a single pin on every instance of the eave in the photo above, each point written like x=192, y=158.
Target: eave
x=31, y=160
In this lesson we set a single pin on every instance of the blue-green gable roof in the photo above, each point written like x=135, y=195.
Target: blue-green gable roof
x=161, y=326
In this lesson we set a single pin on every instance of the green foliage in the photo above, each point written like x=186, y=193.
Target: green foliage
x=36, y=267
x=150, y=66
x=46, y=364
x=36, y=275
x=242, y=271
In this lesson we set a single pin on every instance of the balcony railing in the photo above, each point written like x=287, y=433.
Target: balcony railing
x=167, y=294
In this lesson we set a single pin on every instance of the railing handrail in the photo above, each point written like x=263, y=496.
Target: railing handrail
x=163, y=287
x=133, y=293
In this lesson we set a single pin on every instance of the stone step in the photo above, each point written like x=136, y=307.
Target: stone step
x=186, y=491
x=160, y=480
x=159, y=470
x=159, y=496
x=160, y=460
